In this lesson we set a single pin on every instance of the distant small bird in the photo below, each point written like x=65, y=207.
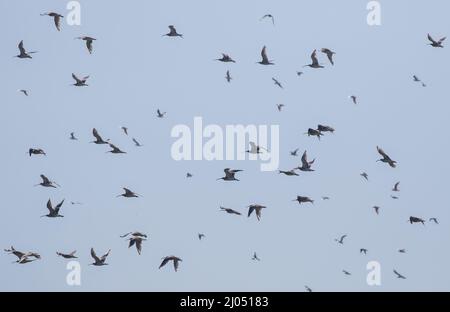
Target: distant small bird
x=80, y=82
x=277, y=83
x=230, y=211
x=76, y=203
x=329, y=54
x=299, y=73
x=402, y=250
x=436, y=44
x=255, y=149
x=89, y=41
x=288, y=173
x=325, y=198
x=188, y=175
x=226, y=59
x=346, y=272
x=173, y=32
x=72, y=136
x=416, y=79
x=98, y=138
x=315, y=61
x=435, y=220
x=99, y=261
x=395, y=188
x=46, y=182
x=136, y=240
x=56, y=18
x=125, y=130
x=36, y=151
x=363, y=250
x=386, y=158
x=25, y=92
x=416, y=220
x=23, y=53
x=229, y=174
x=354, y=99
x=137, y=234
x=303, y=199
x=255, y=257
x=365, y=176
x=115, y=149
x=308, y=289
x=53, y=212
x=399, y=275
x=136, y=143
x=201, y=236
x=228, y=76
x=175, y=260
x=377, y=209
x=265, y=59
x=128, y=193
x=67, y=256
x=160, y=114
x=313, y=132
x=306, y=165
x=257, y=208
x=322, y=128
x=280, y=107
x=23, y=257
x=341, y=240
x=394, y=197
x=294, y=152
x=268, y=16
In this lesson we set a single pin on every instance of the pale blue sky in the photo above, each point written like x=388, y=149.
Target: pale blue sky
x=134, y=71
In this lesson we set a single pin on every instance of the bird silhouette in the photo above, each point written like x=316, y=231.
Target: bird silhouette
x=354, y=99
x=173, y=32
x=268, y=16
x=341, y=239
x=160, y=114
x=365, y=175
x=36, y=151
x=277, y=83
x=23, y=53
x=329, y=54
x=115, y=149
x=289, y=172
x=136, y=240
x=98, y=138
x=386, y=158
x=67, y=256
x=136, y=143
x=56, y=18
x=226, y=59
x=257, y=208
x=99, y=261
x=46, y=182
x=230, y=174
x=230, y=211
x=25, y=92
x=395, y=188
x=314, y=61
x=313, y=132
x=416, y=79
x=363, y=250
x=399, y=275
x=175, y=260
x=294, y=153
x=53, y=212
x=265, y=59
x=322, y=128
x=201, y=236
x=128, y=193
x=255, y=257
x=413, y=220
x=89, y=41
x=306, y=165
x=435, y=220
x=303, y=199
x=72, y=136
x=377, y=209
x=228, y=76
x=280, y=107
x=438, y=43
x=80, y=82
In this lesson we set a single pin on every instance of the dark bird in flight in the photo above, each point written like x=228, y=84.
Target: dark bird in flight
x=280, y=107
x=228, y=76
x=99, y=261
x=386, y=158
x=255, y=149
x=308, y=289
x=46, y=182
x=306, y=165
x=67, y=256
x=395, y=188
x=160, y=114
x=325, y=198
x=436, y=44
x=323, y=128
x=329, y=54
x=36, y=151
x=435, y=220
x=175, y=260
x=188, y=175
x=277, y=83
x=115, y=149
x=377, y=209
x=125, y=130
x=315, y=61
x=399, y=275
x=365, y=176
x=363, y=250
x=354, y=99
x=80, y=82
x=23, y=52
x=137, y=143
x=25, y=92
x=255, y=257
x=303, y=199
x=136, y=240
x=89, y=41
x=265, y=59
x=173, y=32
x=201, y=236
x=226, y=59
x=136, y=234
x=72, y=136
x=416, y=79
x=53, y=212
x=402, y=250
x=346, y=272
x=288, y=173
x=394, y=197
x=128, y=193
x=341, y=240
x=294, y=153
x=268, y=16
x=257, y=208
x=299, y=73
x=56, y=18
x=230, y=211
x=416, y=220
x=22, y=256
x=98, y=138
x=229, y=174
x=313, y=132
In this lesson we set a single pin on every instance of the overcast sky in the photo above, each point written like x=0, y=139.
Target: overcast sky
x=134, y=71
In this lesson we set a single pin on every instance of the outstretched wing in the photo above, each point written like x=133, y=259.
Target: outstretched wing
x=93, y=255
x=164, y=262
x=96, y=135
x=314, y=59
x=265, y=59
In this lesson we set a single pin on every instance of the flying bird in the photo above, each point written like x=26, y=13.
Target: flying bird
x=294, y=153
x=395, y=188
x=188, y=175
x=46, y=182
x=268, y=16
x=399, y=275
x=416, y=79
x=289, y=172
x=230, y=211
x=159, y=114
x=315, y=61
x=377, y=209
x=255, y=149
x=36, y=151
x=255, y=257
x=303, y=199
x=98, y=138
x=201, y=236
x=277, y=83
x=137, y=143
x=229, y=174
x=323, y=128
x=329, y=54
x=128, y=193
x=265, y=59
x=67, y=256
x=173, y=32
x=257, y=208
x=386, y=158
x=354, y=99
x=72, y=136
x=115, y=149
x=363, y=250
x=306, y=165
x=308, y=289
x=416, y=220
x=125, y=130
x=53, y=212
x=136, y=240
x=228, y=76
x=88, y=41
x=436, y=44
x=313, y=132
x=325, y=198
x=365, y=175
x=435, y=220
x=341, y=240
x=136, y=234
x=175, y=260
x=56, y=18
x=226, y=59
x=80, y=82
x=99, y=261
x=346, y=272
x=22, y=256
x=402, y=250
x=25, y=92
x=280, y=107
x=23, y=52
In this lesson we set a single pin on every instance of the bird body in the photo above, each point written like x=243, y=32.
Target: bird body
x=329, y=54
x=436, y=43
x=23, y=53
x=54, y=212
x=304, y=199
x=99, y=261
x=175, y=260
x=89, y=41
x=230, y=174
x=315, y=62
x=36, y=151
x=386, y=158
x=306, y=165
x=56, y=18
x=257, y=208
x=80, y=82
x=67, y=256
x=264, y=58
x=230, y=211
x=173, y=32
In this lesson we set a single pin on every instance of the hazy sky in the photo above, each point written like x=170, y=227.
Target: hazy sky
x=134, y=71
